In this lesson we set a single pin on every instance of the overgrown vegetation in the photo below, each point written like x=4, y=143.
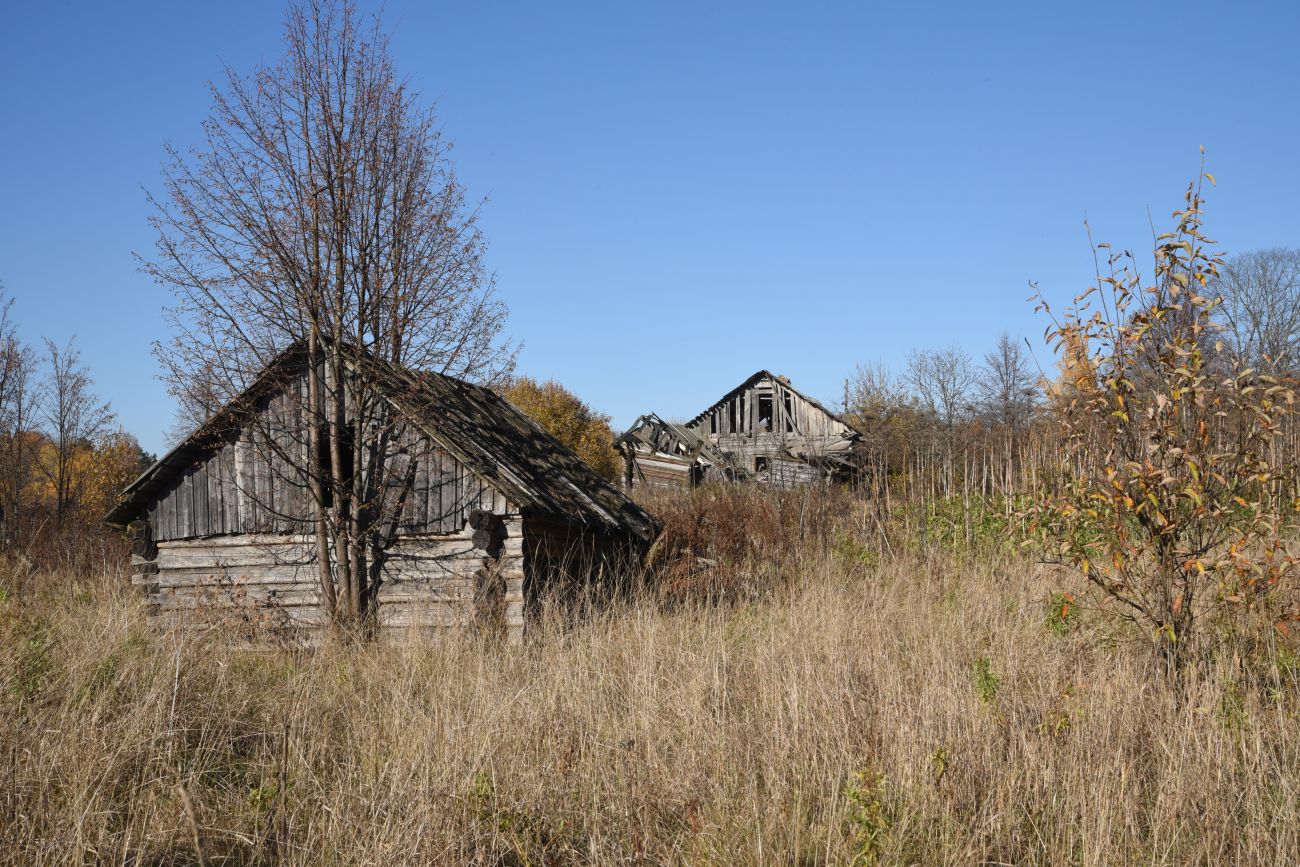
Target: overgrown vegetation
x=875, y=676
x=914, y=707
x=63, y=460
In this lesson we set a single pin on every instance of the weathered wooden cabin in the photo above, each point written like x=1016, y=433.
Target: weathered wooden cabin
x=221, y=530
x=763, y=430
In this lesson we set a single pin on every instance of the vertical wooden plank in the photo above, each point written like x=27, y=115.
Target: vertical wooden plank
x=435, y=490
x=175, y=498
x=233, y=467
x=213, y=463
x=437, y=458
x=162, y=526
x=185, y=502
x=239, y=477
x=249, y=501
x=192, y=501
x=473, y=484
x=218, y=494
x=251, y=493
x=262, y=474
x=420, y=492
x=281, y=493
x=408, y=466
x=455, y=483
x=166, y=515
x=158, y=517
x=182, y=505
x=462, y=481
x=304, y=455
x=274, y=493
x=229, y=490
x=446, y=492
x=201, y=501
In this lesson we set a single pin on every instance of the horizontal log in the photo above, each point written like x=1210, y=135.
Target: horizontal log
x=407, y=616
x=265, y=575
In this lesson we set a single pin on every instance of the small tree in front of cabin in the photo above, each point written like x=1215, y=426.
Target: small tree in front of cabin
x=1170, y=497
x=322, y=211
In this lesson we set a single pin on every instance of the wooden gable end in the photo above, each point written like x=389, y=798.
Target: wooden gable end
x=253, y=481
x=767, y=405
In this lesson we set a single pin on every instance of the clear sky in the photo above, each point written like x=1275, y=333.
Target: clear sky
x=680, y=194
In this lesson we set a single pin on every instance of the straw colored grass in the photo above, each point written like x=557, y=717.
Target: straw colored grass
x=916, y=712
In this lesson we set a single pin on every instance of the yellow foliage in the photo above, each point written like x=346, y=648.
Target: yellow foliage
x=105, y=471
x=95, y=475
x=564, y=416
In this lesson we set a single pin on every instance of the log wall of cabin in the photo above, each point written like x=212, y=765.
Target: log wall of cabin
x=270, y=583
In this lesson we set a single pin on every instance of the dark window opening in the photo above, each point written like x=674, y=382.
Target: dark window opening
x=731, y=416
x=760, y=463
x=713, y=422
x=789, y=412
x=323, y=466
x=764, y=412
x=696, y=475
x=325, y=463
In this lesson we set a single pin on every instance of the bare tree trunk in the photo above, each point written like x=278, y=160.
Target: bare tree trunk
x=316, y=476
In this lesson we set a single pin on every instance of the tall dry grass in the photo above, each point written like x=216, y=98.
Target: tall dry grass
x=922, y=709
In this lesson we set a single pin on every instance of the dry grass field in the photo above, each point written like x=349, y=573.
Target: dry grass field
x=849, y=707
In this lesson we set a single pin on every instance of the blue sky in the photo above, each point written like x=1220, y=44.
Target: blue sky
x=679, y=194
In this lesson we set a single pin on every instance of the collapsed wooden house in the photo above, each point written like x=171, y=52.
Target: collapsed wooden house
x=220, y=525
x=763, y=430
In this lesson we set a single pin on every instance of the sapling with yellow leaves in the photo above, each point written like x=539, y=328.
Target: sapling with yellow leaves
x=1169, y=496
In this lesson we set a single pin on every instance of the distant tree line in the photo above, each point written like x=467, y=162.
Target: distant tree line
x=948, y=423
x=63, y=458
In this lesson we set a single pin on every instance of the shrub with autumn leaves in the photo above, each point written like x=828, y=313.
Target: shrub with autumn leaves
x=1170, y=497
x=566, y=417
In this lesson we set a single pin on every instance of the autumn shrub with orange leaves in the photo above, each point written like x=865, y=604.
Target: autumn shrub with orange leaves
x=567, y=418
x=1170, y=495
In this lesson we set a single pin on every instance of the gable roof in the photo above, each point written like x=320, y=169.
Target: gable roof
x=765, y=374
x=480, y=428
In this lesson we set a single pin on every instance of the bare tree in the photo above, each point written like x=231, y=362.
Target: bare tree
x=943, y=380
x=878, y=405
x=1260, y=309
x=72, y=420
x=18, y=391
x=1008, y=385
x=322, y=211
x=872, y=393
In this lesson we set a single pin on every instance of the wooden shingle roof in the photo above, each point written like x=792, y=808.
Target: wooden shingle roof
x=486, y=432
